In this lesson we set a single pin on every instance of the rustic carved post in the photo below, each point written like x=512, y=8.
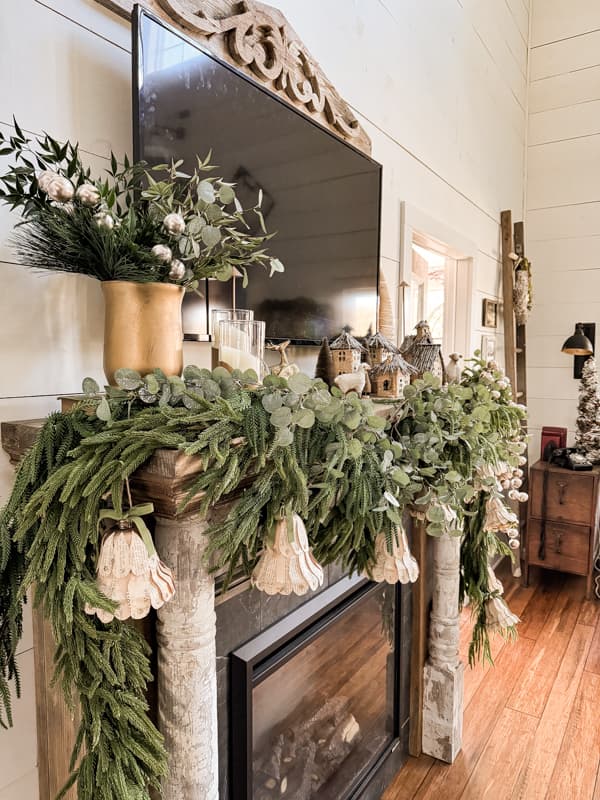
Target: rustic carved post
x=187, y=678
x=443, y=697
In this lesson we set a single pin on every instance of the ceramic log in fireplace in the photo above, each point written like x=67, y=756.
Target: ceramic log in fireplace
x=316, y=701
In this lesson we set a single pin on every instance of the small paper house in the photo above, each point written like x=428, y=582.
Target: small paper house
x=423, y=353
x=347, y=353
x=389, y=377
x=379, y=348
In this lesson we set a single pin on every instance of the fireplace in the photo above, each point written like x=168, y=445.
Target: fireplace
x=315, y=698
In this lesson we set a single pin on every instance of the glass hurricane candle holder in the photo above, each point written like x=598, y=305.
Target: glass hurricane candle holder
x=242, y=345
x=218, y=315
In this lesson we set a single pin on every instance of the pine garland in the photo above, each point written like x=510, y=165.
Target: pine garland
x=286, y=447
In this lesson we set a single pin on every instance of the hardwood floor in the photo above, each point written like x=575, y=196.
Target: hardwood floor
x=532, y=722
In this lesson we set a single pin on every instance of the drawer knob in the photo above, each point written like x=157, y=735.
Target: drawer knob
x=557, y=542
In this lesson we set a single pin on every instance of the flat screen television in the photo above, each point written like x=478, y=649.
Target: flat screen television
x=322, y=196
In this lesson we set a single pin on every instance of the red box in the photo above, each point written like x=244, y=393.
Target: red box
x=552, y=436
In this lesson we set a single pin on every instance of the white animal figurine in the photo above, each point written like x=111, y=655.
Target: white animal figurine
x=454, y=368
x=353, y=381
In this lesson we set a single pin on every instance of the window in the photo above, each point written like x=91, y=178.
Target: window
x=436, y=280
x=428, y=290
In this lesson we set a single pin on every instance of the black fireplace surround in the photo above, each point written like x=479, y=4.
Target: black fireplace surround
x=313, y=690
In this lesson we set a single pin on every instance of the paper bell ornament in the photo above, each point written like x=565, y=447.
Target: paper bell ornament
x=397, y=565
x=129, y=571
x=484, y=472
x=498, y=615
x=451, y=522
x=494, y=583
x=287, y=564
x=498, y=517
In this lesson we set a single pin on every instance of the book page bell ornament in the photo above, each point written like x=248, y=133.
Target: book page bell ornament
x=129, y=571
x=287, y=564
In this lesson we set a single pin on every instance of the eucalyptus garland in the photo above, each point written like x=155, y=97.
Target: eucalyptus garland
x=284, y=447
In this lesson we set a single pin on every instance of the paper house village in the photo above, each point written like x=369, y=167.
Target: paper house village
x=376, y=366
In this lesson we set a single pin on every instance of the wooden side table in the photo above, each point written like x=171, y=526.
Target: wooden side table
x=563, y=521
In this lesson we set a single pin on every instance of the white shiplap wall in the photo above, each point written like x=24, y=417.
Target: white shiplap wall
x=439, y=84
x=563, y=200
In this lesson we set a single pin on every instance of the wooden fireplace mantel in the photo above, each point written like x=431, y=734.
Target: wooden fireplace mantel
x=186, y=631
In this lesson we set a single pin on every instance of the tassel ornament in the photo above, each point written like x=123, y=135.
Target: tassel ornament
x=395, y=566
x=287, y=565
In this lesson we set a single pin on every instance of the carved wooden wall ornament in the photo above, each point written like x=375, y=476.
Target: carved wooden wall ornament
x=258, y=40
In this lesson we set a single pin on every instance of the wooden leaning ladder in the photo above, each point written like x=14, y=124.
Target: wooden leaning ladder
x=515, y=341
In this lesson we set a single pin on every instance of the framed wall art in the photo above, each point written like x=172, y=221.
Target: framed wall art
x=488, y=348
x=489, y=313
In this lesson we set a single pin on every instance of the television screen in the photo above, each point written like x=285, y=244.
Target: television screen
x=321, y=196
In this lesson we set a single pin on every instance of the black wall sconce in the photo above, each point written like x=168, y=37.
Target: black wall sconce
x=581, y=345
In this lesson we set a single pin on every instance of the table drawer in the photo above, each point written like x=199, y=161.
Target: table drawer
x=567, y=547
x=569, y=496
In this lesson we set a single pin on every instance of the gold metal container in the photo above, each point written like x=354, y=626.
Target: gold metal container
x=142, y=327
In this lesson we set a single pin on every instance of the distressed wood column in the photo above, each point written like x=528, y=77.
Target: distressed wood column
x=443, y=692
x=187, y=677
x=185, y=631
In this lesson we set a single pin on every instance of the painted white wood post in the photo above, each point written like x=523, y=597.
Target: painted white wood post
x=443, y=691
x=187, y=677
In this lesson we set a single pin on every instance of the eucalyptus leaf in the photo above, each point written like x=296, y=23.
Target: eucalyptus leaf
x=376, y=422
x=352, y=420
x=192, y=373
x=128, y=379
x=103, y=411
x=152, y=384
x=284, y=437
x=146, y=396
x=90, y=386
x=213, y=212
x=299, y=383
x=206, y=191
x=177, y=385
x=355, y=448
x=250, y=377
x=399, y=476
x=220, y=373
x=211, y=236
x=304, y=418
x=291, y=399
x=226, y=194
x=211, y=389
x=281, y=417
x=271, y=402
x=195, y=225
x=452, y=476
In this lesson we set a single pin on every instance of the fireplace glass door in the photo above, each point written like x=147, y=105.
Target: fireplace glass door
x=323, y=713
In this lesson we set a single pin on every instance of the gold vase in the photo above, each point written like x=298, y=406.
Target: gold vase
x=142, y=327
